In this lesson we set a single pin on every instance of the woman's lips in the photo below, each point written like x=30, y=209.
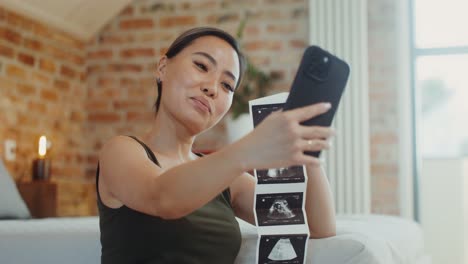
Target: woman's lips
x=199, y=105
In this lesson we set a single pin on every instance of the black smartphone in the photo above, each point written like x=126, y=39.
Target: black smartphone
x=321, y=77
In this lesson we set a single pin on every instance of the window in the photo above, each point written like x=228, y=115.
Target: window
x=441, y=76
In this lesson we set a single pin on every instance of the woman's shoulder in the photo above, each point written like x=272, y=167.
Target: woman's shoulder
x=117, y=139
x=117, y=145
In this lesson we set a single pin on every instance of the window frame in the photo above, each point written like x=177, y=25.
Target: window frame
x=415, y=54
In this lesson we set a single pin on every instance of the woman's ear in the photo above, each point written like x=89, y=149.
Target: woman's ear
x=161, y=68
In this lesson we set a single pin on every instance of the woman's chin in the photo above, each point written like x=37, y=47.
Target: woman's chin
x=197, y=125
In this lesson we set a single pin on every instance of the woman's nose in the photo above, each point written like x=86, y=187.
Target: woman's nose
x=209, y=90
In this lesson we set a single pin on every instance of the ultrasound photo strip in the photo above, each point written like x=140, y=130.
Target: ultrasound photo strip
x=291, y=174
x=279, y=209
x=285, y=248
x=279, y=204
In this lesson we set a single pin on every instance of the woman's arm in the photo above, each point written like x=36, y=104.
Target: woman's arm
x=130, y=178
x=319, y=204
x=242, y=197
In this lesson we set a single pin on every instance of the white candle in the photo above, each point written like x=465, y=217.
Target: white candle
x=42, y=146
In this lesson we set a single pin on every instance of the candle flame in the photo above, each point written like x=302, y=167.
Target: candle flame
x=42, y=146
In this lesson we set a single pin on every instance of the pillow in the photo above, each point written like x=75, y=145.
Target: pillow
x=12, y=205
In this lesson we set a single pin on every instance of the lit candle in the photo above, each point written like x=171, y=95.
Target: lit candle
x=42, y=146
x=41, y=165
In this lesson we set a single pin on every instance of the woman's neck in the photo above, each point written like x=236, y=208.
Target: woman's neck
x=168, y=138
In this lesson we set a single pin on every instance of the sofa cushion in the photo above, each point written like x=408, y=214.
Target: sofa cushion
x=363, y=239
x=343, y=249
x=12, y=206
x=391, y=238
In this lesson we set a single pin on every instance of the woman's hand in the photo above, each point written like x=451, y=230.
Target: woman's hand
x=280, y=140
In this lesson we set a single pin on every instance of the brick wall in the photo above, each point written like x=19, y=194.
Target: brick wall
x=80, y=94
x=383, y=94
x=122, y=58
x=42, y=91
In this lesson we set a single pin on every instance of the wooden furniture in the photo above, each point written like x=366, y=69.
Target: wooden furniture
x=40, y=197
x=57, y=199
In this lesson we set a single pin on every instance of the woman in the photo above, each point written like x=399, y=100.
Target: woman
x=161, y=203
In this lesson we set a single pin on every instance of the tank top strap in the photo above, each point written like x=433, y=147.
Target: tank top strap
x=149, y=152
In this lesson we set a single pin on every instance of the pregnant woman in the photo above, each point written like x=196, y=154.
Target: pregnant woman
x=159, y=202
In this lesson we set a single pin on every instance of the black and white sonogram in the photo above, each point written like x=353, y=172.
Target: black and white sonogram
x=279, y=209
x=291, y=174
x=283, y=249
x=259, y=112
x=275, y=175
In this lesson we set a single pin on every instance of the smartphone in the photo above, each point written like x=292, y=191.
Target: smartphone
x=321, y=77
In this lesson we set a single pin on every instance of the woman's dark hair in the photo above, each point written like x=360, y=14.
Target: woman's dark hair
x=186, y=38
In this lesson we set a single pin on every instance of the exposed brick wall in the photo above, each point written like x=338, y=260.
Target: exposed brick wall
x=383, y=94
x=80, y=94
x=122, y=58
x=126, y=51
x=42, y=91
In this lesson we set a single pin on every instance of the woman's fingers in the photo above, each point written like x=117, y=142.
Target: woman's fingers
x=307, y=112
x=311, y=145
x=315, y=145
x=280, y=140
x=316, y=132
x=307, y=159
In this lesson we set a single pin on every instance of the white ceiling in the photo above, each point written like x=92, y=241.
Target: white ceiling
x=81, y=18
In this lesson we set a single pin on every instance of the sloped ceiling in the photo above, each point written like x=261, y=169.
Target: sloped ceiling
x=81, y=18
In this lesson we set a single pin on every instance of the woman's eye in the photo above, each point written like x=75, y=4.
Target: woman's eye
x=201, y=66
x=229, y=87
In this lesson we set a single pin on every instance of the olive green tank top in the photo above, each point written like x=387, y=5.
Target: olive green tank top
x=208, y=235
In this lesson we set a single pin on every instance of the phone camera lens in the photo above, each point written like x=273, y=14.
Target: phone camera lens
x=318, y=68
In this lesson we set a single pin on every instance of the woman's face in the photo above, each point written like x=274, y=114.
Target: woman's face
x=198, y=83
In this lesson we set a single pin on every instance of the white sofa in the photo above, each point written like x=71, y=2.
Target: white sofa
x=361, y=239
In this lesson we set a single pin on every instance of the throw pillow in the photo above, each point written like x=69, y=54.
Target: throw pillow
x=12, y=205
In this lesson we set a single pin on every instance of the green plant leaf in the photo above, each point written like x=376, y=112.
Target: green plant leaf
x=256, y=82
